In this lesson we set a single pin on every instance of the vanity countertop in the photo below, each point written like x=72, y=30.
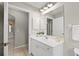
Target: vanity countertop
x=52, y=41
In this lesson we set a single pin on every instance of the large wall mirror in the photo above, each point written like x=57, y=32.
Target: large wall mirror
x=52, y=23
x=55, y=26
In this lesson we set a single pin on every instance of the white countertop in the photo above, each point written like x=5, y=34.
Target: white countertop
x=51, y=41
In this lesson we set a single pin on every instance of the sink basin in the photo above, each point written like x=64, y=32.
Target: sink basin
x=49, y=40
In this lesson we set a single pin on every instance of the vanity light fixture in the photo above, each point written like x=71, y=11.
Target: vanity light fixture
x=49, y=5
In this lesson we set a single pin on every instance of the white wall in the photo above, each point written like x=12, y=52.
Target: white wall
x=21, y=27
x=71, y=13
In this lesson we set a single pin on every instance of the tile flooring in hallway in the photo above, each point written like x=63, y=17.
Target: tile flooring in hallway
x=20, y=51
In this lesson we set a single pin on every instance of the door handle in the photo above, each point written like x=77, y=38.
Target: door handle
x=3, y=44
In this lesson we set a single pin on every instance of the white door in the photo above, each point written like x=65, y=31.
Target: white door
x=6, y=28
x=1, y=28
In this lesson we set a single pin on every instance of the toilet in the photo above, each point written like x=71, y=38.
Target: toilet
x=76, y=51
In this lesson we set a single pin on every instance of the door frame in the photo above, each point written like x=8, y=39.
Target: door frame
x=5, y=29
x=29, y=26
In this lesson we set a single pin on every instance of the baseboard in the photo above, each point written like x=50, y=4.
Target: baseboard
x=21, y=46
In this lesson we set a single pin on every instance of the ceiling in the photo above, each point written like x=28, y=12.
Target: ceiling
x=37, y=4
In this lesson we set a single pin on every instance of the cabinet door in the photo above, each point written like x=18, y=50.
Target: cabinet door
x=58, y=50
x=35, y=48
x=40, y=49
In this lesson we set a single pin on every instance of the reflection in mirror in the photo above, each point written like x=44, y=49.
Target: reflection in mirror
x=10, y=26
x=49, y=26
x=11, y=23
x=55, y=26
x=11, y=34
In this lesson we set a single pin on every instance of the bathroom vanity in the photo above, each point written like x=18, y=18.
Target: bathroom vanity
x=53, y=28
x=40, y=46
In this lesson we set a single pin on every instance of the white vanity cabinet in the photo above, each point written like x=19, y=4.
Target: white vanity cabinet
x=40, y=49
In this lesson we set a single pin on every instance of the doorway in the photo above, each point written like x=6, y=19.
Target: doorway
x=19, y=33
x=11, y=34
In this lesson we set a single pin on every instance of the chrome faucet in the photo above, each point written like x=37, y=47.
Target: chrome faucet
x=46, y=37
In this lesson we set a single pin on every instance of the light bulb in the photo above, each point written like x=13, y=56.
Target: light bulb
x=41, y=10
x=50, y=5
x=45, y=8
